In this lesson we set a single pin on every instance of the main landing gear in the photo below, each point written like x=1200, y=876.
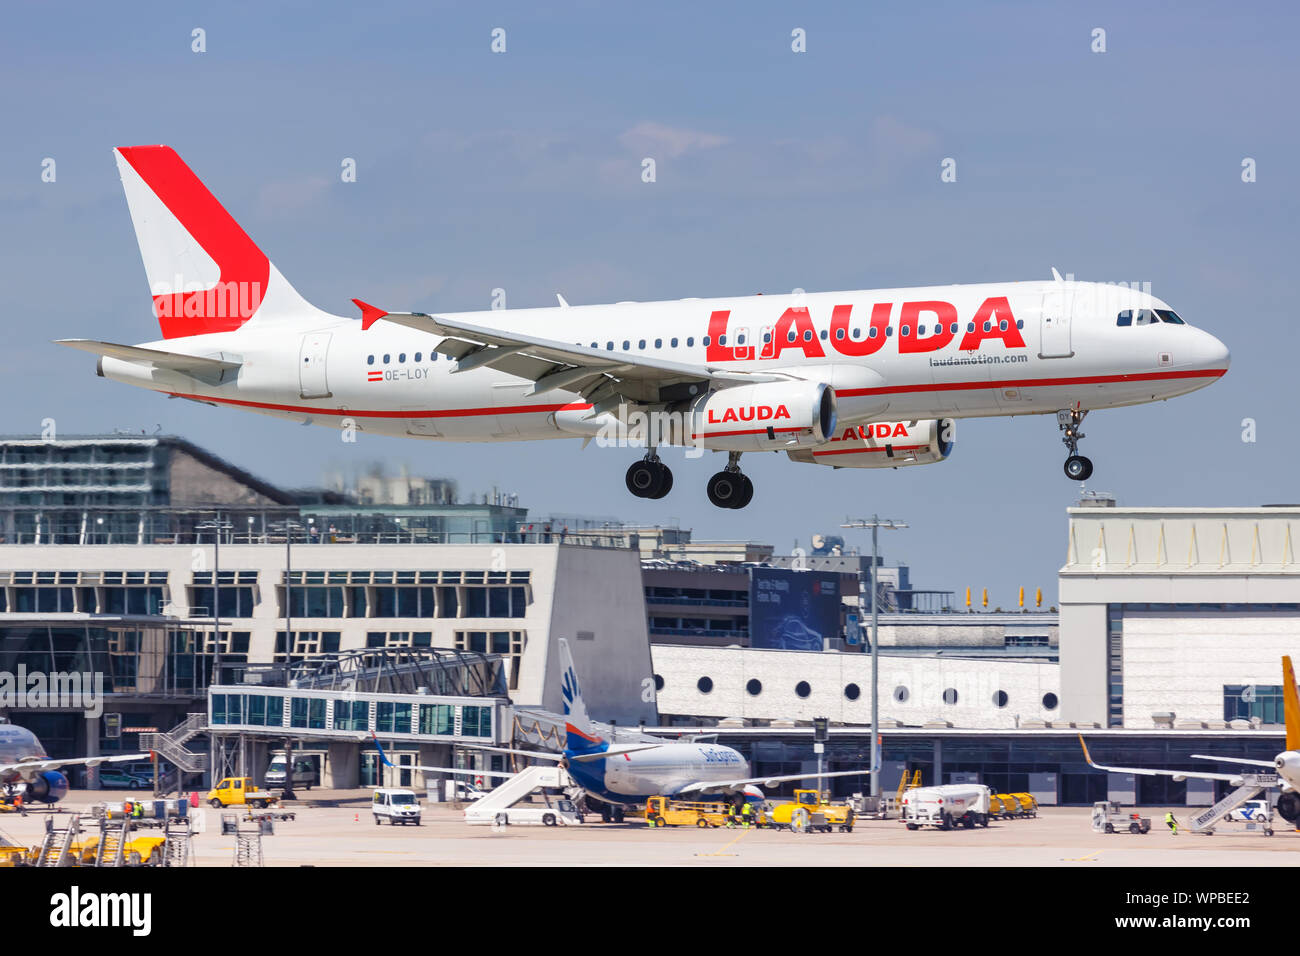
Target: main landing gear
x=1077, y=467
x=649, y=477
x=730, y=488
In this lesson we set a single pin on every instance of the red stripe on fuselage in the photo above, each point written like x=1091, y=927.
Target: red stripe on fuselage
x=1029, y=382
x=384, y=413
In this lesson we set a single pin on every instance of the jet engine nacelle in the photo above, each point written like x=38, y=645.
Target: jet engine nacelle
x=764, y=417
x=884, y=445
x=47, y=787
x=1288, y=806
x=1288, y=767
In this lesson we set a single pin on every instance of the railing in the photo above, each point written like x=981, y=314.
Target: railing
x=171, y=745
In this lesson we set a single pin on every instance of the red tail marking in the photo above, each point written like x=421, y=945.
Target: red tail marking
x=245, y=269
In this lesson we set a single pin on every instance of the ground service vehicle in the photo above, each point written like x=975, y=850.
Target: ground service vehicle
x=305, y=774
x=552, y=814
x=238, y=792
x=808, y=812
x=1110, y=817
x=395, y=806
x=666, y=812
x=951, y=805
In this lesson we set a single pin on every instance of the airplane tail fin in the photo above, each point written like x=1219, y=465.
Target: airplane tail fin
x=205, y=273
x=1290, y=705
x=580, y=734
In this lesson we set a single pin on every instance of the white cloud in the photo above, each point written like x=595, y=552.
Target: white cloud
x=656, y=139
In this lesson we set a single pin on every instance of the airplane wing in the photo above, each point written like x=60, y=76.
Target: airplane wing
x=1271, y=765
x=1147, y=772
x=706, y=785
x=551, y=364
x=26, y=769
x=211, y=370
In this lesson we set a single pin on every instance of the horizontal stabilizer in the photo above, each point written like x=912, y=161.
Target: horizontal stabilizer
x=212, y=370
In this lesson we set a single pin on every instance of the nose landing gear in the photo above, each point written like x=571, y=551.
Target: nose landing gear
x=730, y=488
x=649, y=477
x=1077, y=467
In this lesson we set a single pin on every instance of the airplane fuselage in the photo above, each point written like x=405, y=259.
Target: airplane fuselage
x=665, y=770
x=1014, y=348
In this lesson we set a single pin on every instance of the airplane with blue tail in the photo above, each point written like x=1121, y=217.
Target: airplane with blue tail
x=23, y=760
x=625, y=774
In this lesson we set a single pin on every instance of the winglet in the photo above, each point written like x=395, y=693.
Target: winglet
x=369, y=314
x=1055, y=275
x=1086, y=756
x=563, y=304
x=1290, y=705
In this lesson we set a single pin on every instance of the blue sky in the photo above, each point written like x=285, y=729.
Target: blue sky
x=775, y=170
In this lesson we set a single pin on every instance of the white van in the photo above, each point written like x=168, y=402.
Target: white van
x=947, y=806
x=304, y=771
x=395, y=806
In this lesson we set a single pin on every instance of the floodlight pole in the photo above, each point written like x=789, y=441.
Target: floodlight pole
x=875, y=524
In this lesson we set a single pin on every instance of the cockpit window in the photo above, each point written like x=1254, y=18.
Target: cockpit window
x=1138, y=317
x=1170, y=316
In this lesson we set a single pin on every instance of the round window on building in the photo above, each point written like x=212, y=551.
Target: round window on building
x=1050, y=701
x=950, y=695
x=802, y=688
x=659, y=682
x=852, y=691
x=1000, y=698
x=754, y=687
x=901, y=694
x=705, y=684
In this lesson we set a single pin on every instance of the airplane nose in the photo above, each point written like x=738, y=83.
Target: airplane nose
x=1214, y=353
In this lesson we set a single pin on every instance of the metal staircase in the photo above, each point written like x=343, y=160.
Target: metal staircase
x=170, y=745
x=113, y=837
x=56, y=848
x=1251, y=786
x=177, y=848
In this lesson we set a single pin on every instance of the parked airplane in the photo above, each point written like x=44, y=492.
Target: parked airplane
x=23, y=760
x=861, y=379
x=1286, y=763
x=624, y=774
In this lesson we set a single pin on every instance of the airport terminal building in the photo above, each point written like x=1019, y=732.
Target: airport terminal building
x=323, y=617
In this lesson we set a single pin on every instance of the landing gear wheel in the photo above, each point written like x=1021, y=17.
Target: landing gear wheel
x=1078, y=468
x=618, y=814
x=730, y=489
x=649, y=478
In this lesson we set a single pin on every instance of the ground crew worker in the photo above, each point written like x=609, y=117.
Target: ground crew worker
x=1171, y=822
x=137, y=811
x=747, y=814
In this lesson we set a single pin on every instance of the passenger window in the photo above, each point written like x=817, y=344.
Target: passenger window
x=609, y=346
x=641, y=344
x=417, y=356
x=386, y=359
x=673, y=343
x=370, y=360
x=705, y=341
x=690, y=342
x=626, y=345
x=722, y=340
x=659, y=343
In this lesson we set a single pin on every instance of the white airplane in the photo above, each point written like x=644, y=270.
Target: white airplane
x=1286, y=763
x=23, y=760
x=863, y=379
x=618, y=775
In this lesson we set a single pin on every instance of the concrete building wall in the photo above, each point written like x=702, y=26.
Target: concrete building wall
x=573, y=590
x=912, y=689
x=1179, y=658
x=1181, y=663
x=1085, y=687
